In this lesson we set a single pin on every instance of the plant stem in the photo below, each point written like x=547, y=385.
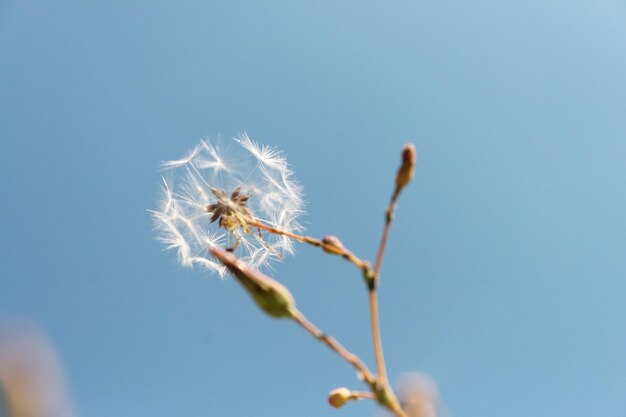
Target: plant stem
x=340, y=251
x=363, y=395
x=373, y=297
x=383, y=240
x=378, y=389
x=337, y=347
x=397, y=410
x=375, y=327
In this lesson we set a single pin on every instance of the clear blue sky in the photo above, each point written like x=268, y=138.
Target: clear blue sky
x=505, y=278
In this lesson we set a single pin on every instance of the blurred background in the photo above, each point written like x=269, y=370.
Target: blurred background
x=505, y=276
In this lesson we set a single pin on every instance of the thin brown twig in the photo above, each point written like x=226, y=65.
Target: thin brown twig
x=337, y=250
x=373, y=299
x=363, y=395
x=337, y=347
x=403, y=177
x=383, y=240
x=375, y=327
x=378, y=390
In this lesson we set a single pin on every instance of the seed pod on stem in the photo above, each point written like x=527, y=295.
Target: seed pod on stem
x=271, y=296
x=339, y=397
x=332, y=245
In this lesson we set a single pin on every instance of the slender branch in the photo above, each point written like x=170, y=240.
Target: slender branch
x=375, y=327
x=373, y=298
x=325, y=245
x=383, y=240
x=380, y=392
x=403, y=177
x=363, y=395
x=337, y=347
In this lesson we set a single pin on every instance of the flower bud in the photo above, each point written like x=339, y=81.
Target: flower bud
x=339, y=397
x=271, y=296
x=406, y=170
x=332, y=245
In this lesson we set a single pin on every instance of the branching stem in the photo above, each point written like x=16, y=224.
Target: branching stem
x=380, y=392
x=379, y=384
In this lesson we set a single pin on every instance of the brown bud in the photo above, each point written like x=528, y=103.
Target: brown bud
x=406, y=170
x=332, y=245
x=339, y=397
x=271, y=296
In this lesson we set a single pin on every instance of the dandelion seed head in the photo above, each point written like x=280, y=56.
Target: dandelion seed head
x=209, y=197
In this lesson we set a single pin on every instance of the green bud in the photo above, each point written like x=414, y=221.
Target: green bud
x=271, y=296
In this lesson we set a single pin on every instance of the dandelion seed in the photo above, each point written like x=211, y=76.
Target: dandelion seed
x=218, y=193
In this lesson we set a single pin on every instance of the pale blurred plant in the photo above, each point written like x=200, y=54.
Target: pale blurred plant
x=32, y=381
x=418, y=394
x=237, y=214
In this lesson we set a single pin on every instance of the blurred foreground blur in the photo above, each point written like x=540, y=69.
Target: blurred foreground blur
x=31, y=377
x=419, y=396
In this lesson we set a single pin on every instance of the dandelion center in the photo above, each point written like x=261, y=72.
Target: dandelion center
x=231, y=212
